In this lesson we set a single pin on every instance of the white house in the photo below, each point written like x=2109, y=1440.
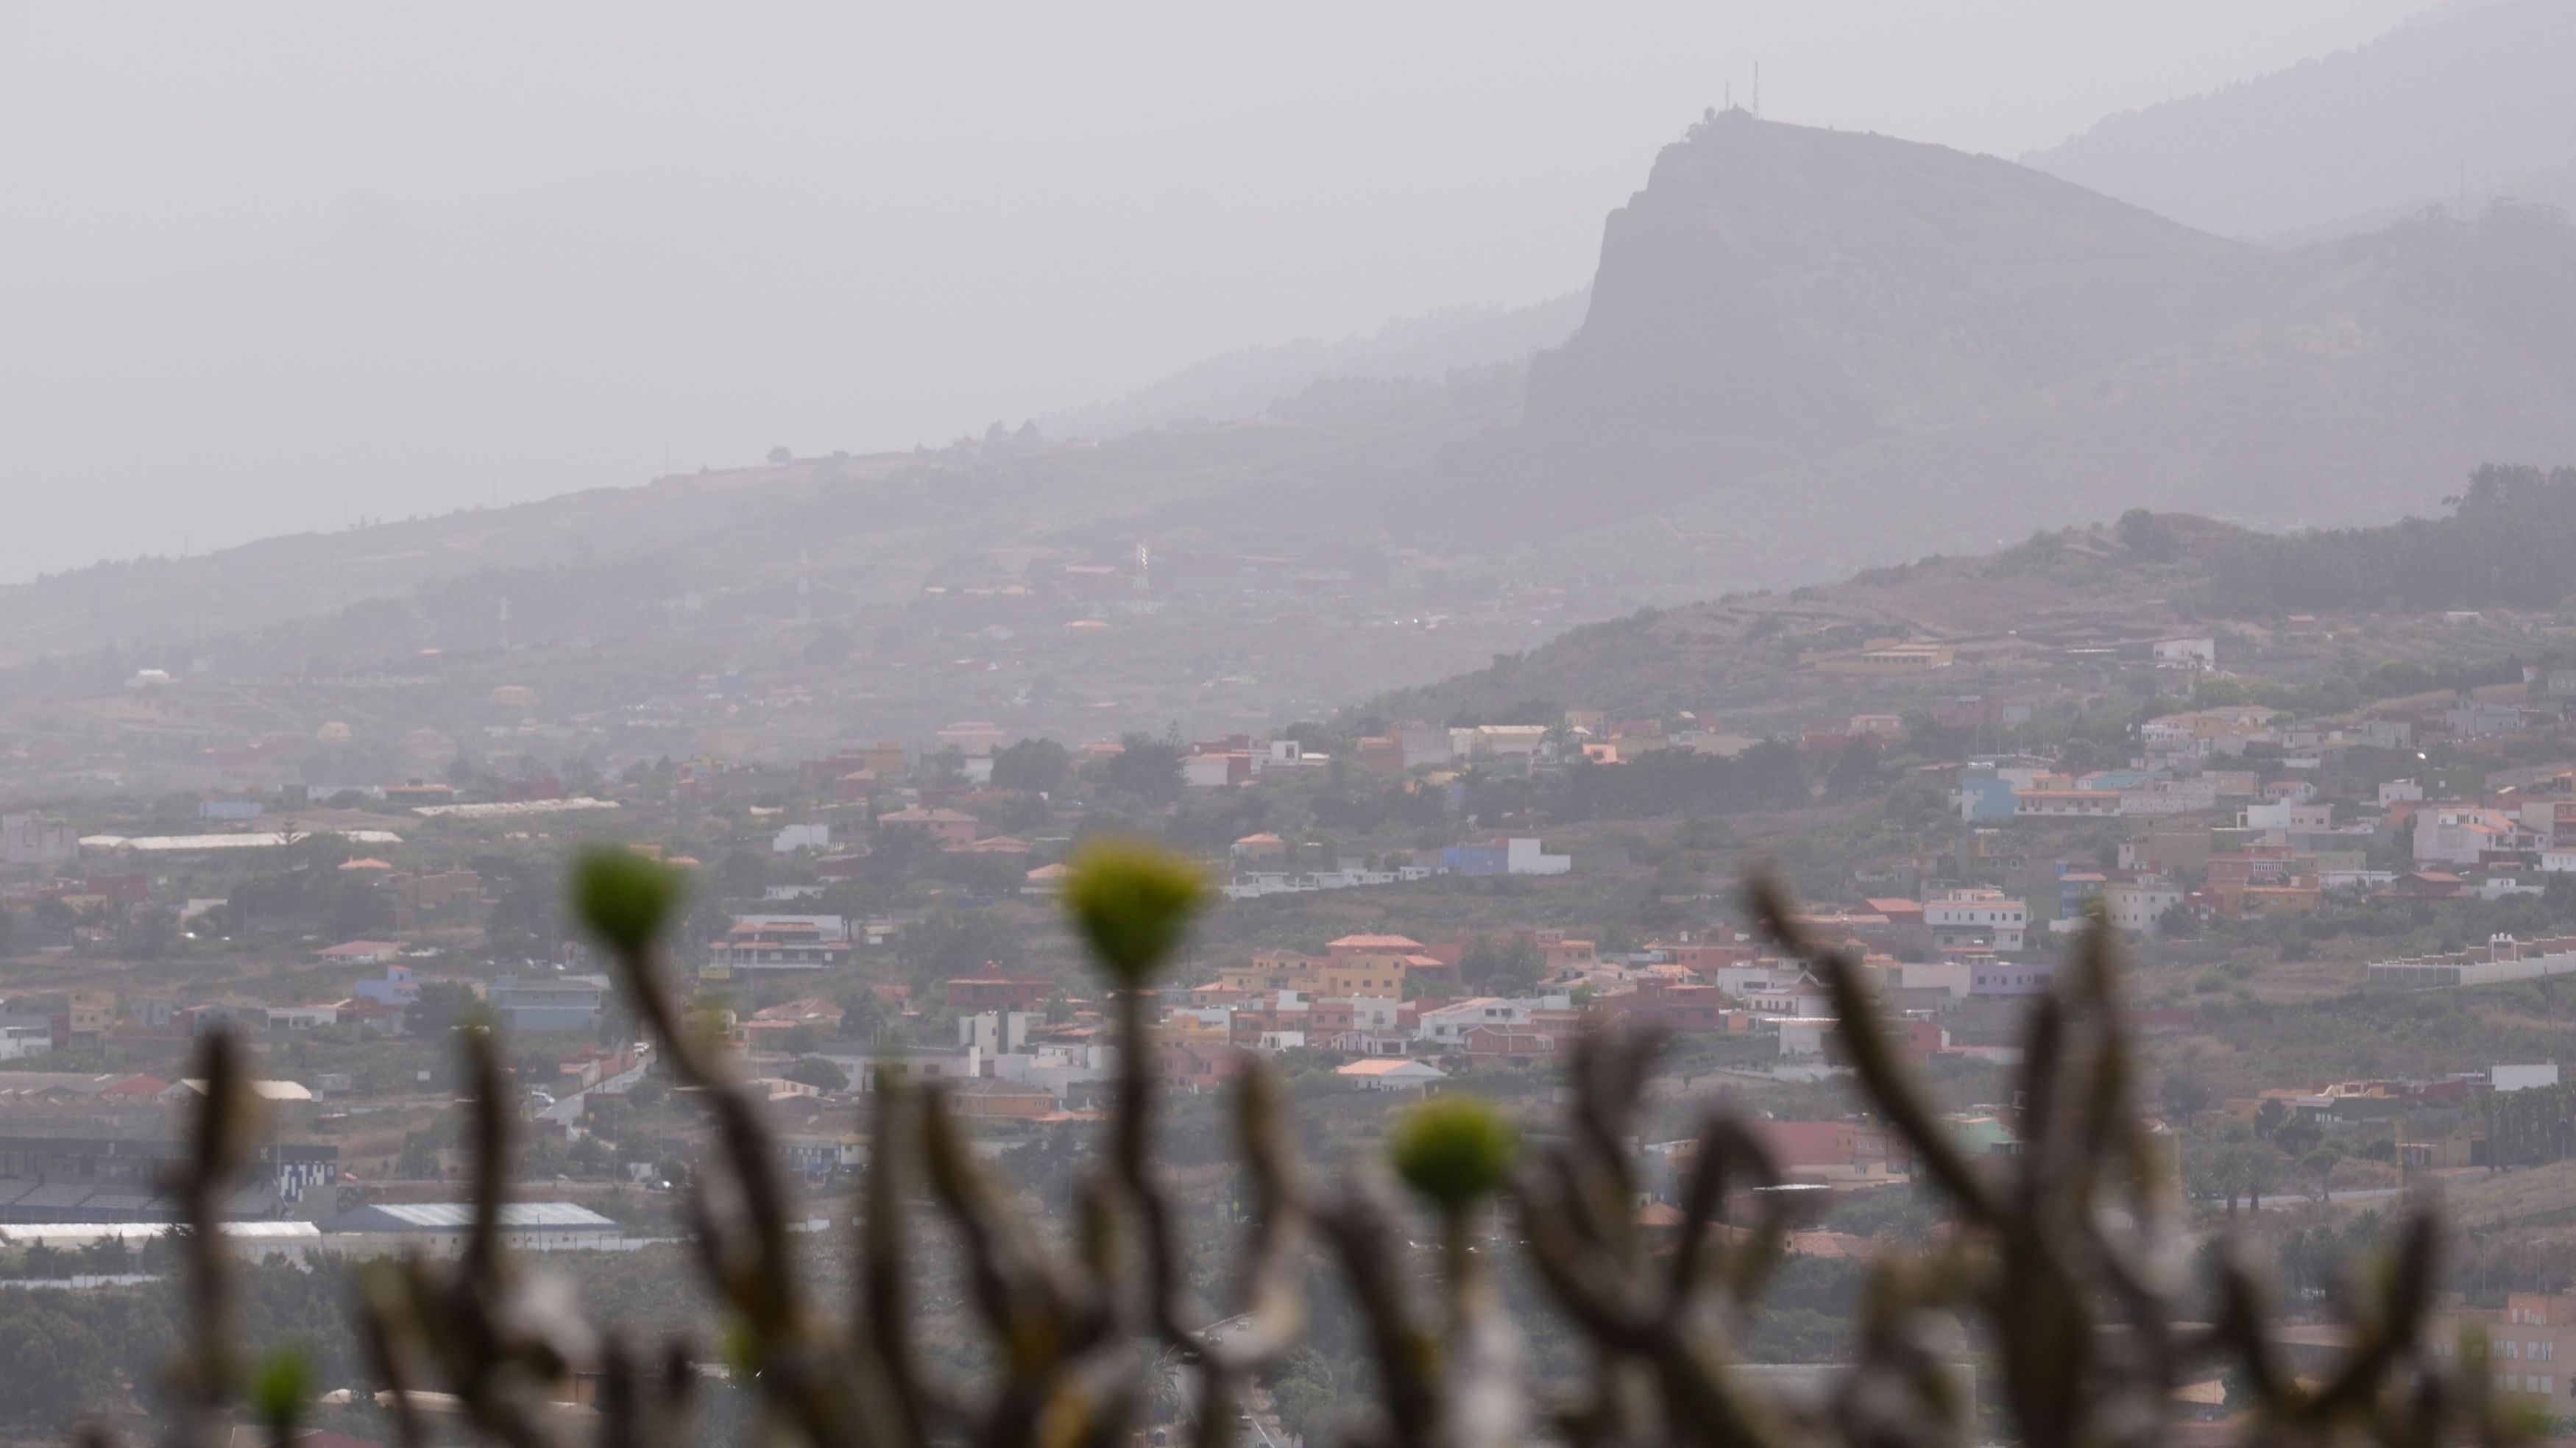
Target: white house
x=2478, y=717
x=1058, y=1068
x=1976, y=917
x=2170, y=797
x=1525, y=857
x=2185, y=653
x=1804, y=997
x=1448, y=1025
x=997, y=1032
x=1391, y=1073
x=1741, y=981
x=1375, y=1013
x=2065, y=803
x=916, y=1065
x=2462, y=836
x=2136, y=905
x=801, y=837
x=1804, y=1035
x=1498, y=741
x=1941, y=975
x=25, y=1036
x=2286, y=815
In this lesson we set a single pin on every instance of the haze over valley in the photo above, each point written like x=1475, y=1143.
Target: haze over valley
x=1147, y=726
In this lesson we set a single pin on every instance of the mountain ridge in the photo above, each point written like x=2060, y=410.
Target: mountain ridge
x=2468, y=99
x=1835, y=347
x=1249, y=381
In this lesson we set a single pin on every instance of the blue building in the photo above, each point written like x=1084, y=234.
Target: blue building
x=1984, y=799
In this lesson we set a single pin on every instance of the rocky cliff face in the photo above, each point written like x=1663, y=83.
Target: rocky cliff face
x=1780, y=284
x=1798, y=334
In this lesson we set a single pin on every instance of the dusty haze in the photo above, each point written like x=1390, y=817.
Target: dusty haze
x=281, y=267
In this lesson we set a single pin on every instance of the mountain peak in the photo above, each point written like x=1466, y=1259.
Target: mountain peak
x=1774, y=284
x=1851, y=347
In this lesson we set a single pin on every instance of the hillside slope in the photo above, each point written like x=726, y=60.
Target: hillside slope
x=1252, y=381
x=2491, y=578
x=1805, y=353
x=2468, y=97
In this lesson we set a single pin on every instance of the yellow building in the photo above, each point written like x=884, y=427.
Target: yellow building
x=1275, y=970
x=1366, y=965
x=1359, y=965
x=1183, y=1028
x=2518, y=1348
x=1363, y=975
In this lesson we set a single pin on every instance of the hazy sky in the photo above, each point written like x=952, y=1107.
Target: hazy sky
x=270, y=267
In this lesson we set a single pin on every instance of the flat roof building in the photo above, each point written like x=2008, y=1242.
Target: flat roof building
x=441, y=1228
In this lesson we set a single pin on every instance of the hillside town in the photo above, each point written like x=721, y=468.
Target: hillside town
x=883, y=907
x=1199, y=727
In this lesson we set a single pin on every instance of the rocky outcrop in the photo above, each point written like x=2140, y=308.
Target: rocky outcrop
x=1798, y=335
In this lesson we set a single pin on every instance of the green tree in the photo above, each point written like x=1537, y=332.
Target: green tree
x=2147, y=535
x=816, y=1072
x=961, y=942
x=58, y=1362
x=1855, y=771
x=419, y=1159
x=1147, y=768
x=2296, y=1137
x=1032, y=766
x=745, y=874
x=353, y=907
x=2320, y=1164
x=1507, y=967
x=443, y=1005
x=1307, y=1392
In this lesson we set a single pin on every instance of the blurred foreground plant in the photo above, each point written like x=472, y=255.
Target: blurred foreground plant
x=2062, y=1270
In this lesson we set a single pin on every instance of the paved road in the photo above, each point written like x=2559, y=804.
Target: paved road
x=2280, y=1200
x=567, y=1112
x=1261, y=1428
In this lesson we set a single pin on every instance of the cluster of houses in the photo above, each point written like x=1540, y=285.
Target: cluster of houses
x=2230, y=812
x=1394, y=1013
x=1259, y=866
